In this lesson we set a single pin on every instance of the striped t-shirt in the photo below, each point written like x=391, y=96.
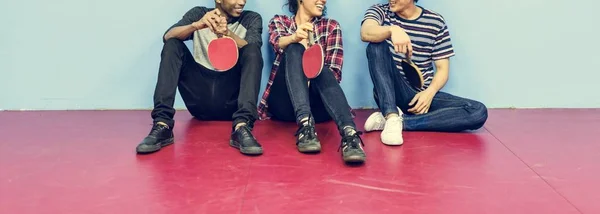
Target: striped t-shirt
x=428, y=33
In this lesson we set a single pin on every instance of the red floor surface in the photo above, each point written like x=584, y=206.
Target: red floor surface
x=523, y=161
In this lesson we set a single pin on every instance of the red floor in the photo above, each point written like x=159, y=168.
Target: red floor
x=523, y=161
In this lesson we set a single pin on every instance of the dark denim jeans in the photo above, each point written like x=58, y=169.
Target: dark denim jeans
x=448, y=113
x=207, y=94
x=291, y=99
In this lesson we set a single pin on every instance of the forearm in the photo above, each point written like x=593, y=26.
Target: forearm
x=374, y=33
x=439, y=79
x=239, y=41
x=180, y=32
x=284, y=41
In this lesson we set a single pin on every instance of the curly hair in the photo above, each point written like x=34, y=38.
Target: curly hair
x=293, y=7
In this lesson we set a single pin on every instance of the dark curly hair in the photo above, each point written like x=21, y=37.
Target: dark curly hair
x=293, y=6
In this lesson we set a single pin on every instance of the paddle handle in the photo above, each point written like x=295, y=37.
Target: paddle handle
x=311, y=42
x=311, y=39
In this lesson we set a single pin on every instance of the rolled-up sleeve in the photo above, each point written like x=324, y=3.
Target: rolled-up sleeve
x=278, y=27
x=335, y=49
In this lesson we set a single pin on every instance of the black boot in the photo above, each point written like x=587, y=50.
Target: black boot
x=160, y=136
x=351, y=146
x=243, y=140
x=307, y=141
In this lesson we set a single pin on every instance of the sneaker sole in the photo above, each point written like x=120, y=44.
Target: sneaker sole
x=354, y=159
x=159, y=146
x=309, y=149
x=247, y=151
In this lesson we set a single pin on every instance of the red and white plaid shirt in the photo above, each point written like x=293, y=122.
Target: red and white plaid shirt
x=328, y=34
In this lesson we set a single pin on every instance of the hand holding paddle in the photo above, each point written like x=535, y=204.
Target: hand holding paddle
x=209, y=20
x=312, y=59
x=401, y=41
x=222, y=52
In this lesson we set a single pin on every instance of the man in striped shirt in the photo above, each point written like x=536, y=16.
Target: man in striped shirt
x=288, y=96
x=398, y=29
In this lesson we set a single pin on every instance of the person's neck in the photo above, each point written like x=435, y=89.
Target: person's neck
x=218, y=7
x=410, y=13
x=302, y=17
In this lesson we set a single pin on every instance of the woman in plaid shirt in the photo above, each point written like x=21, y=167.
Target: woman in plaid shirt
x=289, y=97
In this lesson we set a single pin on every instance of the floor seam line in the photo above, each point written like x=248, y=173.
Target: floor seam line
x=530, y=168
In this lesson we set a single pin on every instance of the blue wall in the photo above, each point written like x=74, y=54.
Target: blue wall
x=105, y=54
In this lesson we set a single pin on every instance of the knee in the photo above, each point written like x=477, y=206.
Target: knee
x=377, y=49
x=326, y=78
x=172, y=46
x=478, y=114
x=251, y=51
x=294, y=50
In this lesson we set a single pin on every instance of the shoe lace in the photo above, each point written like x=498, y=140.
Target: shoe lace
x=245, y=131
x=307, y=131
x=352, y=140
x=156, y=129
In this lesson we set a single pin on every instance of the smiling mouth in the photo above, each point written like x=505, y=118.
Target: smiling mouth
x=320, y=7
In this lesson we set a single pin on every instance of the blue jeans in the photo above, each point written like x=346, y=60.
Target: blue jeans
x=291, y=99
x=447, y=113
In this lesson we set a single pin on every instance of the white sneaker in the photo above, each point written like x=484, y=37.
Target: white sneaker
x=392, y=132
x=392, y=128
x=375, y=122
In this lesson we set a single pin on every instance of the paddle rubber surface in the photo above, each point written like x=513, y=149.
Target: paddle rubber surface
x=223, y=53
x=312, y=61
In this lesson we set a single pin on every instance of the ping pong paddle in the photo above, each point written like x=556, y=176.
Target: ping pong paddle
x=223, y=53
x=312, y=59
x=412, y=72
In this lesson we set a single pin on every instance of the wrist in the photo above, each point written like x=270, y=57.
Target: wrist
x=432, y=90
x=391, y=29
x=197, y=25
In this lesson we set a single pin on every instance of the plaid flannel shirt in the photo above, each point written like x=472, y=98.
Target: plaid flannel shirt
x=327, y=32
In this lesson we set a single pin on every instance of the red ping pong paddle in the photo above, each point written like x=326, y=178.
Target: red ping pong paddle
x=223, y=53
x=312, y=59
x=412, y=72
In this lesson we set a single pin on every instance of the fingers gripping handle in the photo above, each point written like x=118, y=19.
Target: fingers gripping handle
x=311, y=39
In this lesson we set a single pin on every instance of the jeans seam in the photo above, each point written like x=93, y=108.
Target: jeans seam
x=436, y=112
x=291, y=94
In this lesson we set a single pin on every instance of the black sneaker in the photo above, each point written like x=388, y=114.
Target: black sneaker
x=307, y=141
x=160, y=136
x=243, y=140
x=351, y=146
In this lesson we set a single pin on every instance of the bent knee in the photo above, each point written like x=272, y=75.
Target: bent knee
x=251, y=52
x=294, y=49
x=375, y=49
x=251, y=49
x=173, y=45
x=478, y=114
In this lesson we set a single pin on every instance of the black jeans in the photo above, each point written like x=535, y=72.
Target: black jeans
x=207, y=94
x=447, y=113
x=291, y=99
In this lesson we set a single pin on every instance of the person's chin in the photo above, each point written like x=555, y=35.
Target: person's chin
x=236, y=12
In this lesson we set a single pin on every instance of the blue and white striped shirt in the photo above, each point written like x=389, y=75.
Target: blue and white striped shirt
x=428, y=33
